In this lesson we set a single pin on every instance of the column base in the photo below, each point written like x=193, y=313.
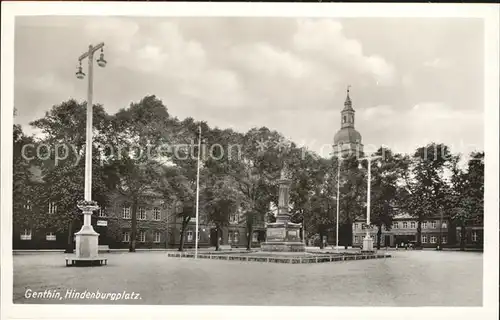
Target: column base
x=87, y=243
x=367, y=244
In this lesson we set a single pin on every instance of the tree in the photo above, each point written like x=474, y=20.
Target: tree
x=64, y=131
x=424, y=183
x=23, y=181
x=220, y=201
x=352, y=196
x=133, y=130
x=307, y=171
x=466, y=196
x=384, y=190
x=323, y=199
x=256, y=172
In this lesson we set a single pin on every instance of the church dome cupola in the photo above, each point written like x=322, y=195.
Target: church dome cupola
x=347, y=138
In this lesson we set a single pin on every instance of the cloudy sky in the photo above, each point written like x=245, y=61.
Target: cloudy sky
x=412, y=80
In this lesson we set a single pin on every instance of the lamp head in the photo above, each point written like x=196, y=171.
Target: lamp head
x=79, y=73
x=101, y=62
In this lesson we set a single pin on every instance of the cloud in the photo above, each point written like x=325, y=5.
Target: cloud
x=325, y=40
x=266, y=60
x=407, y=129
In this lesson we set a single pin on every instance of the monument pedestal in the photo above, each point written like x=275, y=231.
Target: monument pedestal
x=283, y=235
x=367, y=244
x=87, y=241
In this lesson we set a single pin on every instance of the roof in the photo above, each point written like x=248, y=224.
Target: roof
x=347, y=135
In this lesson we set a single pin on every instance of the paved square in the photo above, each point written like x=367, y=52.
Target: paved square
x=410, y=278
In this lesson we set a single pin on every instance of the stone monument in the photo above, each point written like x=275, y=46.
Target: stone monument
x=283, y=235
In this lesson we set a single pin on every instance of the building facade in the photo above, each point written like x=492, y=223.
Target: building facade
x=158, y=226
x=404, y=231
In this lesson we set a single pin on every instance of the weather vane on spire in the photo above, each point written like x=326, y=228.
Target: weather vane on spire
x=348, y=87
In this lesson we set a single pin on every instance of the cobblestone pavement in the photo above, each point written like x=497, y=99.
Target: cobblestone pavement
x=410, y=278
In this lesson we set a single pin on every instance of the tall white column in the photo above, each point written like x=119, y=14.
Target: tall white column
x=369, y=192
x=87, y=240
x=197, y=193
x=368, y=241
x=88, y=141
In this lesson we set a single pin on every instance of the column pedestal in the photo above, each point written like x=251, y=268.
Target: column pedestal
x=87, y=240
x=87, y=243
x=367, y=243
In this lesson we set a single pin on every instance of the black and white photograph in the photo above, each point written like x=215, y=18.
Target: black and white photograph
x=265, y=158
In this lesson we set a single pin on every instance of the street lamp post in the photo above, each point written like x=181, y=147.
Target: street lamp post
x=87, y=238
x=368, y=241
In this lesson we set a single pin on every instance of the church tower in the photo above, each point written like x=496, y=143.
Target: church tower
x=347, y=141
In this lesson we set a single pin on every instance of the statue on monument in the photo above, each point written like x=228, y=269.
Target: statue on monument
x=285, y=172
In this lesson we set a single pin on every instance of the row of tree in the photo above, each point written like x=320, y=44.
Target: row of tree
x=239, y=173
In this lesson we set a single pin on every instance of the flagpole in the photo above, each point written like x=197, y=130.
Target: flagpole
x=197, y=193
x=338, y=206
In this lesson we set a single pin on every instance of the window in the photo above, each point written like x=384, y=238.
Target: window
x=344, y=119
x=474, y=236
x=433, y=224
x=26, y=234
x=234, y=217
x=141, y=214
x=412, y=224
x=405, y=225
x=189, y=235
x=102, y=213
x=126, y=236
x=424, y=238
x=157, y=236
x=433, y=239
x=50, y=236
x=395, y=225
x=444, y=239
x=27, y=205
x=444, y=225
x=424, y=225
x=255, y=237
x=236, y=236
x=52, y=208
x=142, y=236
x=126, y=213
x=199, y=235
x=356, y=239
x=156, y=214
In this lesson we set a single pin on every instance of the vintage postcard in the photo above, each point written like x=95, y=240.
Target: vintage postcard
x=249, y=160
